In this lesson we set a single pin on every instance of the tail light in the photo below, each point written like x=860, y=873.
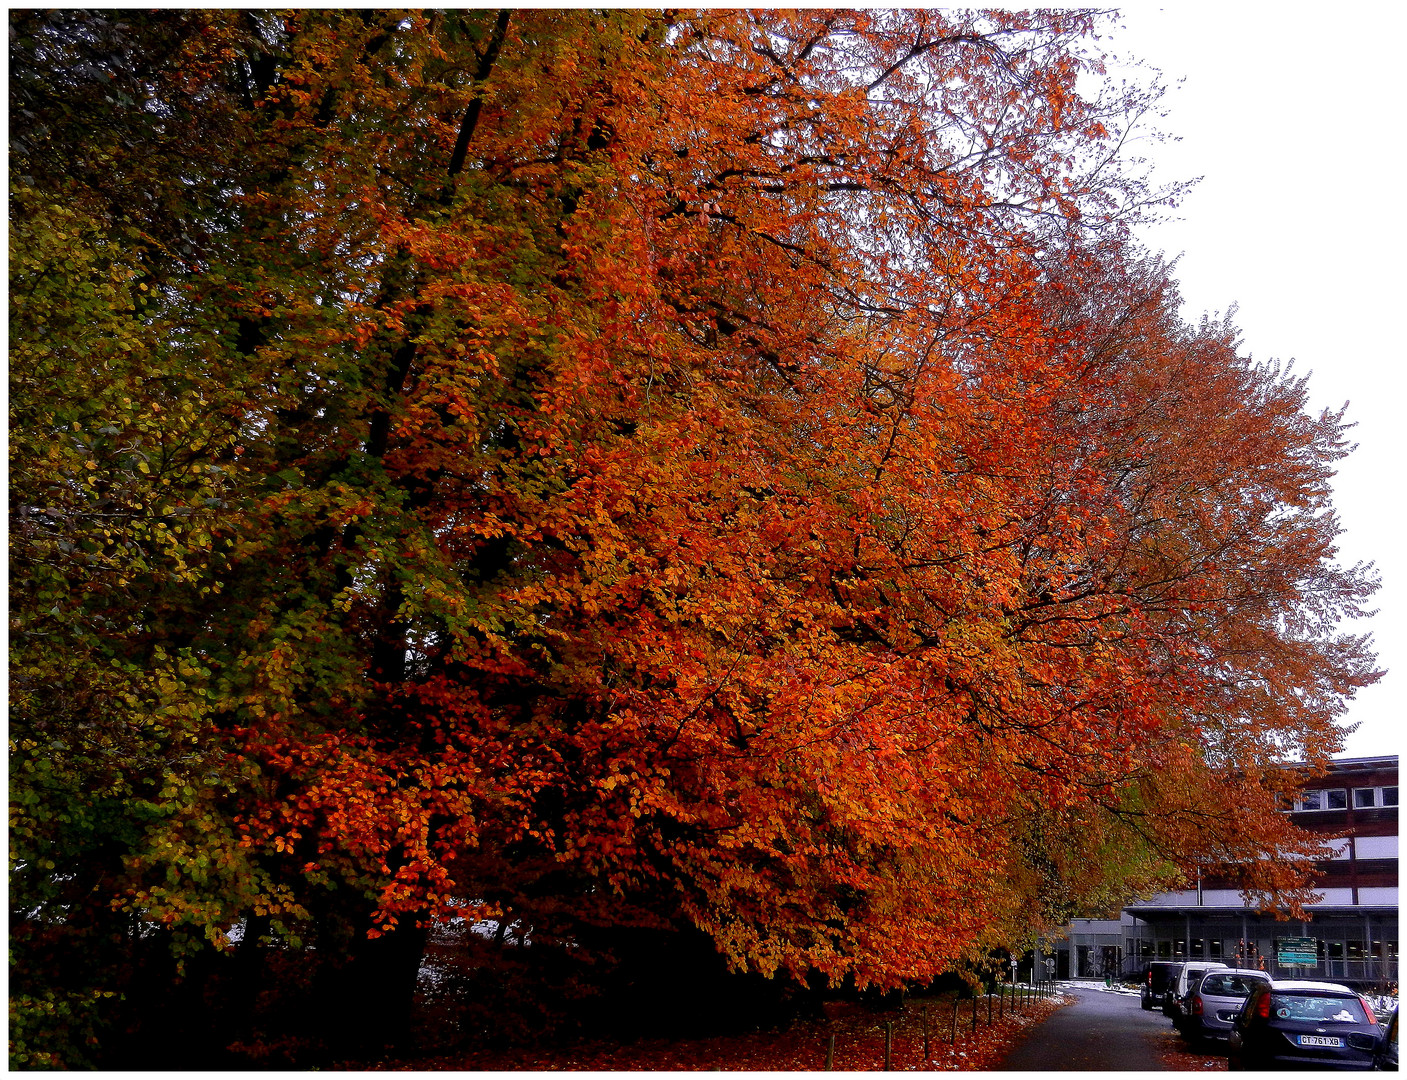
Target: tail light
x=1263, y=1007
x=1196, y=1004
x=1368, y=1009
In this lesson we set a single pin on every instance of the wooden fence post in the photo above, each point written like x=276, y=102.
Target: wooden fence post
x=974, y=1014
x=830, y=1053
x=926, y=1054
x=953, y=1031
x=888, y=1045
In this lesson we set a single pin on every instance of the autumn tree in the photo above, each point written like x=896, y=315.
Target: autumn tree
x=725, y=471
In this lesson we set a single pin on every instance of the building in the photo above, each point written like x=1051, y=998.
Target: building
x=1350, y=935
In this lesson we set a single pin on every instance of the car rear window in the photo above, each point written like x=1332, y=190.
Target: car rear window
x=1333, y=1010
x=1229, y=985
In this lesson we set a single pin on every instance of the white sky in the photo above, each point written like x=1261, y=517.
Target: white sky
x=1294, y=118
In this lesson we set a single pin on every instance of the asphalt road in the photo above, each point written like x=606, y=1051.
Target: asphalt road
x=1101, y=1032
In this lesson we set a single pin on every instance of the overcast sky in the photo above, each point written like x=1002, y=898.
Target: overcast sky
x=1293, y=117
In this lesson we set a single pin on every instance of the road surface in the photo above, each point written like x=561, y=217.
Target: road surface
x=1101, y=1032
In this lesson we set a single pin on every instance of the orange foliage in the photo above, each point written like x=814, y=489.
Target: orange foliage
x=734, y=468
x=785, y=482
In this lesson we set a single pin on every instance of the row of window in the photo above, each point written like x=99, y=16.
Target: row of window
x=1217, y=949
x=1337, y=798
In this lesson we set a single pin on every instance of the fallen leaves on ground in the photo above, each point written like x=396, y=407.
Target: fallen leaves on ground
x=1178, y=1055
x=859, y=1043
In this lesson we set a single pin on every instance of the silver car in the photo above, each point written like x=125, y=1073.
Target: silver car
x=1208, y=1012
x=1182, y=987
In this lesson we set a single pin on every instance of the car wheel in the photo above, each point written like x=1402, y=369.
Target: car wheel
x=1147, y=1005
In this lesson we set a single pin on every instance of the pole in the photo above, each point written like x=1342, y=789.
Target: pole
x=830, y=1053
x=889, y=1046
x=926, y=1054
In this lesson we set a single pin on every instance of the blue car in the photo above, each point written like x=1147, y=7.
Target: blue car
x=1387, y=1051
x=1300, y=1024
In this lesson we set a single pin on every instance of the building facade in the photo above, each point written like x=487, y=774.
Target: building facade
x=1350, y=934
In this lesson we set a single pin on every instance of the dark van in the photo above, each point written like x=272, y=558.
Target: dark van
x=1158, y=979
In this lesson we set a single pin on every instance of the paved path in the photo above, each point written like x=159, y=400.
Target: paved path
x=1101, y=1032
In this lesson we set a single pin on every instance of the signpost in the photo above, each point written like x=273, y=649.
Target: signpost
x=1297, y=952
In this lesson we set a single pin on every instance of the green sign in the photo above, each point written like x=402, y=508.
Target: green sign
x=1297, y=951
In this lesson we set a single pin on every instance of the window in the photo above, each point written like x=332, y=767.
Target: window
x=1312, y=1008
x=1333, y=799
x=1214, y=948
x=1366, y=798
x=1228, y=985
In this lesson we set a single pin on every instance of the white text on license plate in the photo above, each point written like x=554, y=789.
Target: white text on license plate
x=1319, y=1040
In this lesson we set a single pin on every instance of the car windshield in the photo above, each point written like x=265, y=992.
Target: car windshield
x=1332, y=1010
x=1229, y=985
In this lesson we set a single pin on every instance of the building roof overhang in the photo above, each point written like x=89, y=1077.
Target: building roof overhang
x=1338, y=911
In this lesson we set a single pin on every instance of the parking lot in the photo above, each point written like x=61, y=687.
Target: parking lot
x=1107, y=1029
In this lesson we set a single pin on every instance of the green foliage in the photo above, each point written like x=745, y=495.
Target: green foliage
x=55, y=1029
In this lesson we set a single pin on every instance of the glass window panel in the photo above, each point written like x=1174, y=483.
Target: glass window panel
x=1311, y=800
x=1316, y=1009
x=1389, y=796
x=1336, y=799
x=1365, y=796
x=1355, y=950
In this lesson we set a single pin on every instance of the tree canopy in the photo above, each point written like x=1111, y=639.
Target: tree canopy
x=568, y=470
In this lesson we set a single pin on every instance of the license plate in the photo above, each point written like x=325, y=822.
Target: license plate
x=1320, y=1040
